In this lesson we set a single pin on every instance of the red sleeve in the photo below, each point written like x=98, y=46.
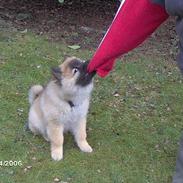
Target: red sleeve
x=133, y=23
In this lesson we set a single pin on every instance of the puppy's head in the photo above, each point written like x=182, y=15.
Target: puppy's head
x=73, y=75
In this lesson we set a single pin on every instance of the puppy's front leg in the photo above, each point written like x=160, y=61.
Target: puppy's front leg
x=55, y=135
x=80, y=136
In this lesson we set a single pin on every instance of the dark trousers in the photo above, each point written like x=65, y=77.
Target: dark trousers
x=178, y=177
x=175, y=8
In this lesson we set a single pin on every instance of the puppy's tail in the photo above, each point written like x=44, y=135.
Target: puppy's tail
x=34, y=93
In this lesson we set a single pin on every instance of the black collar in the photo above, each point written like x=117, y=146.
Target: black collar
x=71, y=103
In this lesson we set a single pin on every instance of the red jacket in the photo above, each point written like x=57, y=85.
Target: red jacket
x=133, y=23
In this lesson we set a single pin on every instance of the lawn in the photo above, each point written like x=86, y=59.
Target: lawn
x=134, y=123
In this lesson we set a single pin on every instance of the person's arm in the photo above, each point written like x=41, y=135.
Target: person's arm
x=133, y=23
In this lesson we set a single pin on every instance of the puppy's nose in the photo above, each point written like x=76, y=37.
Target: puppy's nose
x=91, y=74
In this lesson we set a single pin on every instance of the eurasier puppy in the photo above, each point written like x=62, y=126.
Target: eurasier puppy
x=62, y=106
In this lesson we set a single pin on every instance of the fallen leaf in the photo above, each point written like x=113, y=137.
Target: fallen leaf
x=61, y=1
x=23, y=16
x=20, y=110
x=56, y=179
x=74, y=47
x=99, y=171
x=24, y=31
x=34, y=158
x=116, y=94
x=29, y=167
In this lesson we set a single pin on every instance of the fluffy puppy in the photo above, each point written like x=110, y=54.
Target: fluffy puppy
x=62, y=106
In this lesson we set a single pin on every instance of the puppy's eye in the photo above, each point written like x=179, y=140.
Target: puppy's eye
x=74, y=71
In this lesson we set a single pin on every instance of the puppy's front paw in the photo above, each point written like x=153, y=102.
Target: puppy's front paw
x=85, y=147
x=57, y=154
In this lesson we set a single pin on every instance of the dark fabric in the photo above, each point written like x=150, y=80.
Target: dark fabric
x=175, y=8
x=178, y=177
x=179, y=29
x=161, y=2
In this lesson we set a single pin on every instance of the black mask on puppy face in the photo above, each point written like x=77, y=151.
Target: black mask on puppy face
x=84, y=77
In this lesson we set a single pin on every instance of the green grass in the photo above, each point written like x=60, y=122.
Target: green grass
x=134, y=134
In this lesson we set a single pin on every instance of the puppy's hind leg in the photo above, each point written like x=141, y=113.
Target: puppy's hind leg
x=33, y=129
x=34, y=123
x=55, y=135
x=80, y=136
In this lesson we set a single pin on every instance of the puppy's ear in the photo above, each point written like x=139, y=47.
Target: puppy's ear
x=66, y=56
x=56, y=72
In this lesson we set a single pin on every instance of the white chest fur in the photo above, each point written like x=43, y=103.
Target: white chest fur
x=70, y=118
x=60, y=109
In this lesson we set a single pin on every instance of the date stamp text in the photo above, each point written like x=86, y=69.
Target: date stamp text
x=9, y=163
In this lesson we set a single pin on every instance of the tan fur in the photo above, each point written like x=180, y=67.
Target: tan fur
x=51, y=115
